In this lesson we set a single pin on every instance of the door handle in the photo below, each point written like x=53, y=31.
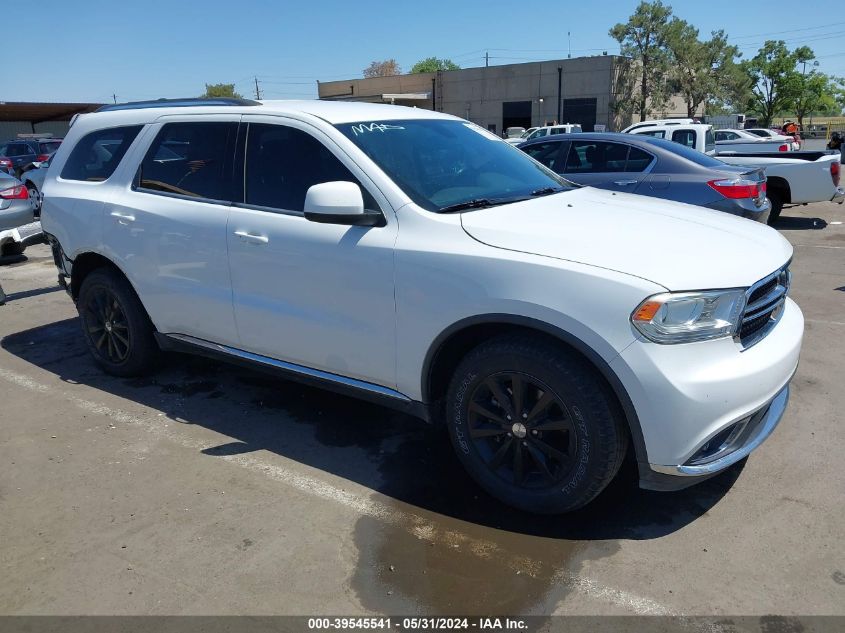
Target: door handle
x=123, y=218
x=252, y=239
x=622, y=183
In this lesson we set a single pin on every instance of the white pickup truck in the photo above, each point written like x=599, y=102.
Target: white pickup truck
x=701, y=136
x=792, y=177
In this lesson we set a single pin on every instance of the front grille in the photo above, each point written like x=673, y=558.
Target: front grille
x=763, y=307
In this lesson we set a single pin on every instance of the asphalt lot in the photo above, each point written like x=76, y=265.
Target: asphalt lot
x=208, y=489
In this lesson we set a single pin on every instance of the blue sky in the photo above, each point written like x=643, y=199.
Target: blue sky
x=143, y=49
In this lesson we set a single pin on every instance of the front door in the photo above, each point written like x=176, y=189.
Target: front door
x=317, y=295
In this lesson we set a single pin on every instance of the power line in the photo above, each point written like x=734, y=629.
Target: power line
x=809, y=28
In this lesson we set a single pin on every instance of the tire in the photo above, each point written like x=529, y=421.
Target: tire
x=12, y=249
x=580, y=422
x=35, y=197
x=117, y=330
x=777, y=206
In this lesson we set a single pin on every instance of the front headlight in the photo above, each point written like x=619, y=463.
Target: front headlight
x=685, y=317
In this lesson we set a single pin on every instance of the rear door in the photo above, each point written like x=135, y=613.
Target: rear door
x=601, y=164
x=167, y=230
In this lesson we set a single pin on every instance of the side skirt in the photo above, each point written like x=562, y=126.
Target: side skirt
x=317, y=378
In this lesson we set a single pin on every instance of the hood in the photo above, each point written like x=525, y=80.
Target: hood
x=679, y=246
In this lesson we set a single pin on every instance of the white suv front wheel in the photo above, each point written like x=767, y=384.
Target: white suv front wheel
x=534, y=425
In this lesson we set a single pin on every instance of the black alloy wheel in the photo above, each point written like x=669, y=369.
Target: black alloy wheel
x=522, y=430
x=535, y=424
x=107, y=327
x=117, y=329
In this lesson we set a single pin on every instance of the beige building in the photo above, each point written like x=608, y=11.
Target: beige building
x=579, y=90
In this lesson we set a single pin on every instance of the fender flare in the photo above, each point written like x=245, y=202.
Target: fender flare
x=573, y=341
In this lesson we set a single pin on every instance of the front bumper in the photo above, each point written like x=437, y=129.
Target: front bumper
x=687, y=395
x=761, y=424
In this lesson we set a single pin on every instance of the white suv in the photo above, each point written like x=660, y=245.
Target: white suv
x=416, y=259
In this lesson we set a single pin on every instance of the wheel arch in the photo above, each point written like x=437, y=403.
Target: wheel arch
x=781, y=185
x=459, y=338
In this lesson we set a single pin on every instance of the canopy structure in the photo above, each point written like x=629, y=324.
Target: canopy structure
x=41, y=112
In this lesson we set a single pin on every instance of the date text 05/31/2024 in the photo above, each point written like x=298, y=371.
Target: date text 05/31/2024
x=418, y=623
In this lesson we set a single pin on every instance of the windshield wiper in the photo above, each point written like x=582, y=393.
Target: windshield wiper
x=545, y=191
x=477, y=203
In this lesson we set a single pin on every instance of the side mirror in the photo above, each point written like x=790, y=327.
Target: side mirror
x=339, y=202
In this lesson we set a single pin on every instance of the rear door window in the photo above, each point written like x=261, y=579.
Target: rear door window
x=97, y=155
x=596, y=157
x=654, y=133
x=684, y=137
x=192, y=160
x=638, y=160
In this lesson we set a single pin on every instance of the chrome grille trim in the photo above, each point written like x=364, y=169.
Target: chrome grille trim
x=762, y=313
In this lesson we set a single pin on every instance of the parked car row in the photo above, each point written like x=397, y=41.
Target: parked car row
x=792, y=177
x=552, y=328
x=16, y=156
x=654, y=167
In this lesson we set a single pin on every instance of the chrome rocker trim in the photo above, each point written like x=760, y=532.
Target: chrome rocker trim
x=291, y=368
x=776, y=409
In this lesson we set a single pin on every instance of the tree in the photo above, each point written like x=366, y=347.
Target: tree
x=775, y=82
x=703, y=72
x=433, y=64
x=643, y=39
x=214, y=91
x=815, y=91
x=385, y=68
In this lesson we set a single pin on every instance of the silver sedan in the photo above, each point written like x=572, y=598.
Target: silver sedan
x=16, y=206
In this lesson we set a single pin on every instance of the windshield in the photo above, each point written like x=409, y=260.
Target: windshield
x=443, y=163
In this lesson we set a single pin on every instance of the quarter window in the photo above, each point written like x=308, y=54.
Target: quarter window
x=638, y=160
x=190, y=159
x=97, y=155
x=282, y=163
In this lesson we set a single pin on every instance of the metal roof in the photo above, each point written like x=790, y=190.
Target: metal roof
x=40, y=112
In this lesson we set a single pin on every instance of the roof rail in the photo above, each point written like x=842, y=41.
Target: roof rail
x=178, y=103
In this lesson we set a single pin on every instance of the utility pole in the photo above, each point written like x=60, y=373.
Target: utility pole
x=257, y=92
x=569, y=38
x=114, y=96
x=486, y=59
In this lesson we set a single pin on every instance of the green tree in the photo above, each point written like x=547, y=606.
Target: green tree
x=384, y=68
x=643, y=39
x=433, y=64
x=213, y=91
x=703, y=72
x=815, y=91
x=775, y=82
